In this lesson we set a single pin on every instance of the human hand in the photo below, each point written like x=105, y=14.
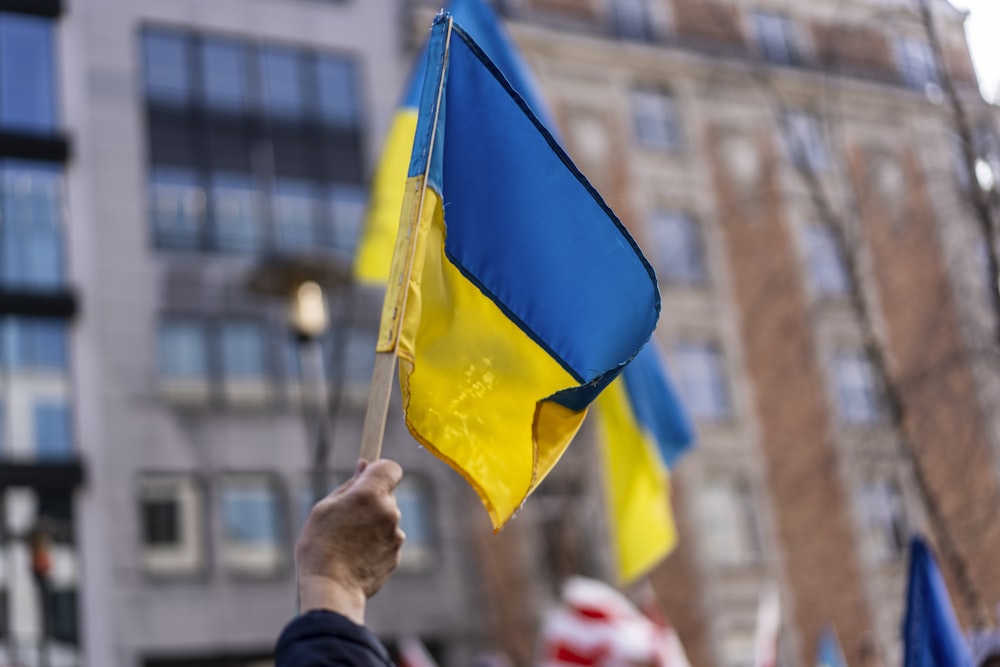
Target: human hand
x=350, y=543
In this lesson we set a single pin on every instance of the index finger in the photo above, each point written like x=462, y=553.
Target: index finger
x=384, y=474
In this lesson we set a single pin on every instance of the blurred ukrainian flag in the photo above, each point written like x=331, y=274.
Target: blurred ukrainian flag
x=644, y=429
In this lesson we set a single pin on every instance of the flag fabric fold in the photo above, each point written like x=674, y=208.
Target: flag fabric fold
x=644, y=429
x=527, y=296
x=931, y=634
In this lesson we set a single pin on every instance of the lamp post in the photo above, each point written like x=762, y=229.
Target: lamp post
x=306, y=282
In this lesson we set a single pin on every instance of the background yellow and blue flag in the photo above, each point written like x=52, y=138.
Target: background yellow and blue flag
x=374, y=255
x=644, y=429
x=527, y=295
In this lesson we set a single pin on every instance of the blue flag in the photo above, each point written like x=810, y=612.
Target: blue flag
x=931, y=635
x=829, y=653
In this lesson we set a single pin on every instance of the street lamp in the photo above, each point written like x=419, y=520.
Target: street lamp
x=305, y=281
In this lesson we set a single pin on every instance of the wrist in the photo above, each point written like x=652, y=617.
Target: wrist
x=321, y=592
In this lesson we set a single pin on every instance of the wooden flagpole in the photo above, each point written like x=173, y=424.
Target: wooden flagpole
x=397, y=289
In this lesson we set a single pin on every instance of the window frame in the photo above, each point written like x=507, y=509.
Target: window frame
x=778, y=39
x=656, y=118
x=184, y=561
x=712, y=359
x=253, y=561
x=693, y=269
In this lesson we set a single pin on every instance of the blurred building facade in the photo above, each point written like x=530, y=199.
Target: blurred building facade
x=782, y=163
x=158, y=428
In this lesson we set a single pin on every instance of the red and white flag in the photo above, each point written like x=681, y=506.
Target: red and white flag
x=413, y=653
x=768, y=627
x=596, y=626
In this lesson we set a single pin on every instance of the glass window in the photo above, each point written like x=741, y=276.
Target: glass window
x=678, y=248
x=161, y=521
x=776, y=38
x=223, y=65
x=30, y=224
x=235, y=213
x=35, y=344
x=338, y=91
x=885, y=518
x=281, y=80
x=359, y=356
x=63, y=608
x=171, y=510
x=916, y=63
x=167, y=73
x=825, y=258
x=804, y=139
x=348, y=204
x=729, y=528
x=655, y=119
x=295, y=208
x=701, y=375
x=177, y=207
x=251, y=524
x=244, y=351
x=183, y=350
x=27, y=73
x=856, y=388
x=416, y=521
x=632, y=19
x=53, y=429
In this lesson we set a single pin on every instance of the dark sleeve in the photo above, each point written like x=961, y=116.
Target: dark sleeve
x=327, y=639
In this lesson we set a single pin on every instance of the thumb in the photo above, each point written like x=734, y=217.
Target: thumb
x=383, y=475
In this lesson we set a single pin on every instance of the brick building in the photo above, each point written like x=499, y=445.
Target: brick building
x=782, y=164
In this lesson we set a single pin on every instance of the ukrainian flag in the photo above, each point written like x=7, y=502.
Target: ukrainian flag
x=524, y=297
x=644, y=429
x=371, y=264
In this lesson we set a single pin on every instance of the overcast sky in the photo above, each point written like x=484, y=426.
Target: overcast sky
x=983, y=28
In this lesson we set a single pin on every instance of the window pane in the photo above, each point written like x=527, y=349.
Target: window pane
x=250, y=514
x=171, y=511
x=295, y=209
x=776, y=38
x=160, y=522
x=338, y=94
x=416, y=521
x=53, y=430
x=916, y=62
x=804, y=138
x=655, y=120
x=243, y=351
x=235, y=213
x=729, y=525
x=166, y=67
x=702, y=379
x=347, y=213
x=281, y=80
x=223, y=65
x=35, y=344
x=678, y=248
x=359, y=356
x=177, y=207
x=65, y=624
x=183, y=354
x=827, y=268
x=856, y=389
x=885, y=518
x=27, y=77
x=632, y=19
x=30, y=224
